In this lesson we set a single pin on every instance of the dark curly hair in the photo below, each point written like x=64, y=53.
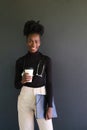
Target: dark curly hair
x=32, y=26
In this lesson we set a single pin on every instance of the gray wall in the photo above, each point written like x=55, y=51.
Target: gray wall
x=65, y=40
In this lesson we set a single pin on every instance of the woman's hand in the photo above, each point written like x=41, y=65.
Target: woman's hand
x=26, y=78
x=49, y=113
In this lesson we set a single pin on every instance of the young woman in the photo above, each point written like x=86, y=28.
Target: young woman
x=40, y=84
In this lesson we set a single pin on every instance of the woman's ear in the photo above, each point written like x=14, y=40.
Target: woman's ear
x=26, y=41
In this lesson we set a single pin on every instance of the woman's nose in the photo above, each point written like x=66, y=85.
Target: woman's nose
x=33, y=44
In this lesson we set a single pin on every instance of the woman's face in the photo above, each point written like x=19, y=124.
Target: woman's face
x=33, y=42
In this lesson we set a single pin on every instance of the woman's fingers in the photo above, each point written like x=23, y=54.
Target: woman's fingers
x=48, y=114
x=26, y=77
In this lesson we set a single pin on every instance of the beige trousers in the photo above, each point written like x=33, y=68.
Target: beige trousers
x=26, y=109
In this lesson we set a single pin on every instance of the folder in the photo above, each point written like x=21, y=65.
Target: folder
x=41, y=106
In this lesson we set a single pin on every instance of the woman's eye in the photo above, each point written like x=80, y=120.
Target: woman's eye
x=30, y=42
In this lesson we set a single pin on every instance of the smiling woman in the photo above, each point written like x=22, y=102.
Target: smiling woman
x=33, y=42
x=33, y=32
x=41, y=83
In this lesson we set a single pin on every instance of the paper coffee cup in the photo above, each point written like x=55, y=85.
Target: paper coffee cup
x=30, y=72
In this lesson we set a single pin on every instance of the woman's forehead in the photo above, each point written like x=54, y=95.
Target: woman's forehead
x=34, y=36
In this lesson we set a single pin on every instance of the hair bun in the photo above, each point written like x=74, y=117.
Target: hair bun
x=33, y=27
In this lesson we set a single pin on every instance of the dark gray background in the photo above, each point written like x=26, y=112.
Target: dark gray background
x=65, y=41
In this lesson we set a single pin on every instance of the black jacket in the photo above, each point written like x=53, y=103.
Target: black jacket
x=42, y=72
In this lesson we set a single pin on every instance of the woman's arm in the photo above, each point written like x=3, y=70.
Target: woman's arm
x=49, y=88
x=18, y=76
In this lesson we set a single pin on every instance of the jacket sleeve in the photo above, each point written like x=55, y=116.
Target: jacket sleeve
x=18, y=77
x=49, y=88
